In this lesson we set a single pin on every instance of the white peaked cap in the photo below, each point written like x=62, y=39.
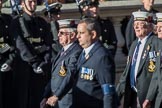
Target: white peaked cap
x=140, y=15
x=159, y=17
x=68, y=23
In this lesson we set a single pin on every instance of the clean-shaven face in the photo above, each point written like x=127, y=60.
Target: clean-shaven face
x=64, y=36
x=29, y=6
x=84, y=36
x=159, y=29
x=141, y=29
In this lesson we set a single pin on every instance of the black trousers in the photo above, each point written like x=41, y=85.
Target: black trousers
x=130, y=99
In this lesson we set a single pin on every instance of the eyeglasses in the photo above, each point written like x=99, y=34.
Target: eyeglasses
x=64, y=33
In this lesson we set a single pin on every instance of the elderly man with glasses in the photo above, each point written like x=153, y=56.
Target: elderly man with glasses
x=58, y=93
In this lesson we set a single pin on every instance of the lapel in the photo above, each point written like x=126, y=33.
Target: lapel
x=159, y=65
x=64, y=56
x=132, y=49
x=145, y=52
x=93, y=50
x=57, y=57
x=130, y=56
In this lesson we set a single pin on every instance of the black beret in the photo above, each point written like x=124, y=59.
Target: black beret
x=54, y=8
x=89, y=2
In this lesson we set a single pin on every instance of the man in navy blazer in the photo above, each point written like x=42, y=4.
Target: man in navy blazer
x=58, y=93
x=96, y=71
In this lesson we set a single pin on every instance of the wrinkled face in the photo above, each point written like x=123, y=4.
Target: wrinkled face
x=159, y=29
x=148, y=4
x=84, y=36
x=29, y=6
x=91, y=11
x=141, y=29
x=65, y=36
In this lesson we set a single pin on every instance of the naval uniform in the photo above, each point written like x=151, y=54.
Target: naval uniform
x=32, y=39
x=6, y=56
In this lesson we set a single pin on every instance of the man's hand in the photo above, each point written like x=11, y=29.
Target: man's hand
x=43, y=103
x=5, y=67
x=52, y=100
x=146, y=104
x=38, y=70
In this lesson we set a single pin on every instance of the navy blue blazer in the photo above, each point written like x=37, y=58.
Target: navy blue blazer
x=96, y=70
x=62, y=79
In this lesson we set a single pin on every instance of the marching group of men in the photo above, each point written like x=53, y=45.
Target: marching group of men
x=46, y=62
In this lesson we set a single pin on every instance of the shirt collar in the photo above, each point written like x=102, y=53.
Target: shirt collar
x=67, y=46
x=87, y=50
x=145, y=39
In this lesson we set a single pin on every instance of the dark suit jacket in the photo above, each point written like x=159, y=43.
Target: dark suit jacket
x=94, y=71
x=155, y=89
x=63, y=80
x=143, y=75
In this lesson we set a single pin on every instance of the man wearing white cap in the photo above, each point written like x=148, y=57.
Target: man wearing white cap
x=135, y=80
x=155, y=89
x=58, y=93
x=159, y=25
x=130, y=34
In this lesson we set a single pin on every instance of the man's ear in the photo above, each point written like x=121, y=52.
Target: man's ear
x=73, y=35
x=93, y=34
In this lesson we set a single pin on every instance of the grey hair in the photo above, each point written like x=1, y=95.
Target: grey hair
x=92, y=24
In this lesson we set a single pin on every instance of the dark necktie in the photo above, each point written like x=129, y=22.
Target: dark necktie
x=82, y=56
x=62, y=52
x=132, y=72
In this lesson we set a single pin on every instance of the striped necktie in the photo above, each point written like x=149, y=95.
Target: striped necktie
x=62, y=52
x=132, y=72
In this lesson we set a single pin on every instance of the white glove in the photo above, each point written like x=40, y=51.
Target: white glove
x=5, y=67
x=38, y=70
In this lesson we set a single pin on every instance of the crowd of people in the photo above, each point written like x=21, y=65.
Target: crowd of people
x=49, y=62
